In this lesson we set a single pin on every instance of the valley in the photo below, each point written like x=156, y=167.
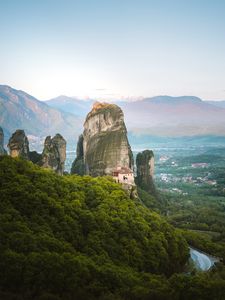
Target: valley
x=190, y=178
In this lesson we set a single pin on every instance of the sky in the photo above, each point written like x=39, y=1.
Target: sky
x=113, y=48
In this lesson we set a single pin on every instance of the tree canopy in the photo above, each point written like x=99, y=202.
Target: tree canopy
x=73, y=237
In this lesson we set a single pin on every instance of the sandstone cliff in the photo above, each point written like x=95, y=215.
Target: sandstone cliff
x=54, y=154
x=2, y=150
x=105, y=143
x=145, y=171
x=18, y=145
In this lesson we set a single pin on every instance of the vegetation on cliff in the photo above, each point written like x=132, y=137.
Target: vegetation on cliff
x=75, y=237
x=145, y=171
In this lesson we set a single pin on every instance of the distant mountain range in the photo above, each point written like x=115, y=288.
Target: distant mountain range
x=174, y=116
x=161, y=115
x=158, y=116
x=75, y=106
x=19, y=110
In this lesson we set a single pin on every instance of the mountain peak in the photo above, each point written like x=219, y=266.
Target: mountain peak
x=21, y=110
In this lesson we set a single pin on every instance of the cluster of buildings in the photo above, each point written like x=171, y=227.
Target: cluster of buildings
x=123, y=175
x=169, y=178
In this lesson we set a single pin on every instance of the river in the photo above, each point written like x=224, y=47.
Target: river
x=202, y=261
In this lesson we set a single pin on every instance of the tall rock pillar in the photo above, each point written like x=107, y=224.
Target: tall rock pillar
x=145, y=171
x=54, y=154
x=105, y=143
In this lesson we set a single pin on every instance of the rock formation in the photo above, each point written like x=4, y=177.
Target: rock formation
x=2, y=150
x=105, y=143
x=54, y=154
x=78, y=166
x=145, y=171
x=18, y=145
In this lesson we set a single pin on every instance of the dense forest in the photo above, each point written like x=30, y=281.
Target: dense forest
x=71, y=237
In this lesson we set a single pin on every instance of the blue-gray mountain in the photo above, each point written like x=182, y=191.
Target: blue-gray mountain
x=161, y=115
x=174, y=116
x=217, y=103
x=20, y=110
x=72, y=105
x=158, y=116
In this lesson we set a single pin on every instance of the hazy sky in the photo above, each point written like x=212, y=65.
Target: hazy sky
x=113, y=47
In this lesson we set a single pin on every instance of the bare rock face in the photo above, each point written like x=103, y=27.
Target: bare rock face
x=78, y=166
x=54, y=154
x=18, y=145
x=145, y=170
x=2, y=150
x=105, y=143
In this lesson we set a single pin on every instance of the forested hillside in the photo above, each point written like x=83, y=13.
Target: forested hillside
x=72, y=237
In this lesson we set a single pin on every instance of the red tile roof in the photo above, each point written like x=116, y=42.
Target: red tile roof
x=123, y=170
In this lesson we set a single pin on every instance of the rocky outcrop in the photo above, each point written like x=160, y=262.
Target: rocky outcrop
x=78, y=166
x=54, y=154
x=2, y=150
x=105, y=143
x=18, y=145
x=145, y=171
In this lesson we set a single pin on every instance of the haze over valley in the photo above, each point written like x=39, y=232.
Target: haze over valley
x=146, y=119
